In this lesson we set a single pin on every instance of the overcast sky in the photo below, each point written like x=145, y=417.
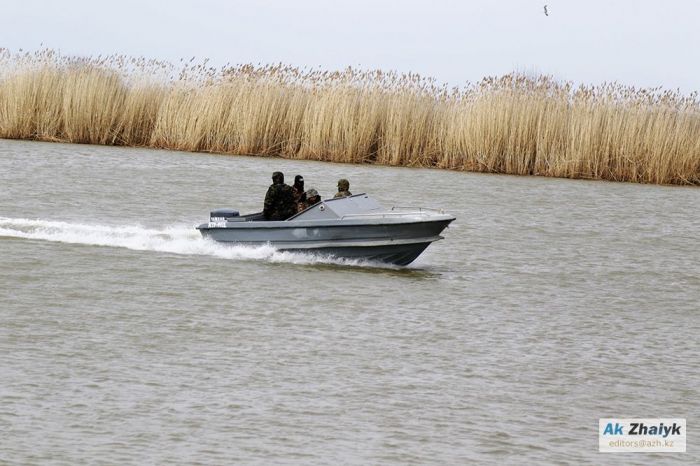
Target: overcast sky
x=644, y=43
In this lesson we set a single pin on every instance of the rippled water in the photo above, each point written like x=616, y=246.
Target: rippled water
x=126, y=338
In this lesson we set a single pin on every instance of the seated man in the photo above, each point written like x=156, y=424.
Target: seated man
x=343, y=188
x=279, y=200
x=311, y=198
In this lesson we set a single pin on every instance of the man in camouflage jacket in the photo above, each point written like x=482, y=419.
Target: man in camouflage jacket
x=311, y=197
x=279, y=200
x=343, y=188
x=298, y=190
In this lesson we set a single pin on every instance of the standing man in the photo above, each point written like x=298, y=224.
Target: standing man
x=343, y=188
x=298, y=190
x=279, y=200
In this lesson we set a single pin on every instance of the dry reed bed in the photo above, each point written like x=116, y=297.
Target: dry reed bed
x=514, y=124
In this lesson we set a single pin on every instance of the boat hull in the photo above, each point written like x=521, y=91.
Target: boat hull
x=397, y=242
x=396, y=254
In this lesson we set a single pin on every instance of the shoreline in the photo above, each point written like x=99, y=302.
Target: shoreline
x=365, y=164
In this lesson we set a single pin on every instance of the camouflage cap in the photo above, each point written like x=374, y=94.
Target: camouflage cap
x=343, y=184
x=311, y=193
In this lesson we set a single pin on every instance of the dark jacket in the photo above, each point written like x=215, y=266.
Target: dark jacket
x=279, y=202
x=299, y=194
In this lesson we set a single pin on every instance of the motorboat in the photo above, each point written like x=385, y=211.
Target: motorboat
x=352, y=227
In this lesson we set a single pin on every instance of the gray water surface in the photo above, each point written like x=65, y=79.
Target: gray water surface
x=127, y=339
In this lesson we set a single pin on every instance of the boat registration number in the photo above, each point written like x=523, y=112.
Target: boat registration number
x=217, y=224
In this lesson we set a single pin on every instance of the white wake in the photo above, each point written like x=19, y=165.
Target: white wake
x=176, y=239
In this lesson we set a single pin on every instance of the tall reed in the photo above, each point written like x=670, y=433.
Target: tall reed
x=514, y=124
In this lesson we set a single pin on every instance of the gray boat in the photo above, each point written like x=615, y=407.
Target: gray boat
x=353, y=227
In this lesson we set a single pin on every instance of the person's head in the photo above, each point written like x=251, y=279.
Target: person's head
x=312, y=196
x=343, y=185
x=278, y=177
x=299, y=182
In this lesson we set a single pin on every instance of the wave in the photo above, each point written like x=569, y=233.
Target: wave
x=174, y=239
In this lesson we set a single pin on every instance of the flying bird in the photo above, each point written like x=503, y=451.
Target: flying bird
x=545, y=11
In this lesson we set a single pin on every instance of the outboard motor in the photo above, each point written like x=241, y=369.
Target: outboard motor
x=222, y=215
